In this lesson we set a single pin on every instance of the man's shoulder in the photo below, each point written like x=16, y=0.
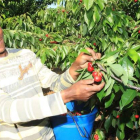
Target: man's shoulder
x=13, y=50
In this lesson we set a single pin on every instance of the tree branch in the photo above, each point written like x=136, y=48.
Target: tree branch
x=117, y=79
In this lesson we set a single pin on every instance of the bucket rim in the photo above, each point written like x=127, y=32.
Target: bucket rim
x=94, y=111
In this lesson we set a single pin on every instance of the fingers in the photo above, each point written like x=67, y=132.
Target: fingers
x=94, y=55
x=88, y=58
x=96, y=88
x=87, y=82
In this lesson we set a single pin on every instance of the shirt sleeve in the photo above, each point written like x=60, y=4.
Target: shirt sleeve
x=28, y=109
x=50, y=79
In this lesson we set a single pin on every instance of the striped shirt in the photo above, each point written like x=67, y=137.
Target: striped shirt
x=24, y=110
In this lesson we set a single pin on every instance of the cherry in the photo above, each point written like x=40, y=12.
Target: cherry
x=63, y=10
x=139, y=31
x=136, y=116
x=117, y=116
x=94, y=44
x=95, y=73
x=96, y=137
x=90, y=69
x=89, y=64
x=78, y=114
x=80, y=0
x=40, y=39
x=97, y=78
x=135, y=0
x=47, y=35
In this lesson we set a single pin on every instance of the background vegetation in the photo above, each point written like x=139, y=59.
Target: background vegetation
x=58, y=35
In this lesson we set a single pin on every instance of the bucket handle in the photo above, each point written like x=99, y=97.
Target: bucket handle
x=78, y=126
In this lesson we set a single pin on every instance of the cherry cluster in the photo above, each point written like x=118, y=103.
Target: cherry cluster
x=97, y=75
x=73, y=113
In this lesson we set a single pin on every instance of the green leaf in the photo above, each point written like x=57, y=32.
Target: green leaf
x=120, y=134
x=109, y=90
x=88, y=4
x=101, y=4
x=101, y=94
x=108, y=83
x=88, y=16
x=96, y=14
x=86, y=74
x=133, y=55
x=111, y=59
x=114, y=122
x=80, y=76
x=124, y=77
x=109, y=102
x=127, y=97
x=84, y=29
x=85, y=51
x=89, y=77
x=109, y=16
x=108, y=122
x=117, y=69
x=130, y=124
x=128, y=66
x=43, y=58
x=92, y=23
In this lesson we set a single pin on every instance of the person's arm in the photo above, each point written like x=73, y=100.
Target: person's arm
x=48, y=78
x=24, y=110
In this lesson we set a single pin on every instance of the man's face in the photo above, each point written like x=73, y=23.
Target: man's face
x=2, y=44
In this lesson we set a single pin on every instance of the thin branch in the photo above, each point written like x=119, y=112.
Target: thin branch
x=117, y=79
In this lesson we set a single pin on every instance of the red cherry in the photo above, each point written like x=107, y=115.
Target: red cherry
x=94, y=44
x=89, y=64
x=97, y=78
x=40, y=39
x=135, y=0
x=80, y=0
x=90, y=69
x=117, y=116
x=78, y=114
x=139, y=31
x=96, y=137
x=47, y=35
x=95, y=73
x=63, y=10
x=136, y=116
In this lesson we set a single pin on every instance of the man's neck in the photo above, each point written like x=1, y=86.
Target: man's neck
x=4, y=53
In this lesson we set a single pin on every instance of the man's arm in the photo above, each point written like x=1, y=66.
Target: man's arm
x=24, y=110
x=50, y=79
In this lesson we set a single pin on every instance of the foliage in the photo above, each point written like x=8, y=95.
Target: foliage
x=108, y=26
x=18, y=7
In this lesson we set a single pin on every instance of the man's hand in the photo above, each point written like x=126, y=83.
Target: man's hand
x=82, y=90
x=82, y=62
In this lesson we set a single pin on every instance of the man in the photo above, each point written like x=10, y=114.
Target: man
x=24, y=111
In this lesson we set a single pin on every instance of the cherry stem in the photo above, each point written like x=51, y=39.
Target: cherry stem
x=117, y=79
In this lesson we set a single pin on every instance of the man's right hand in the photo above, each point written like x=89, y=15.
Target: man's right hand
x=82, y=90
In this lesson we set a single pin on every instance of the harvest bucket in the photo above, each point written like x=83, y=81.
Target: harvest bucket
x=73, y=127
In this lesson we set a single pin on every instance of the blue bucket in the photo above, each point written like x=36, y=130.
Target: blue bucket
x=73, y=127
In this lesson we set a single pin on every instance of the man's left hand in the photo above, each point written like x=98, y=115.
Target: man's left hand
x=82, y=62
